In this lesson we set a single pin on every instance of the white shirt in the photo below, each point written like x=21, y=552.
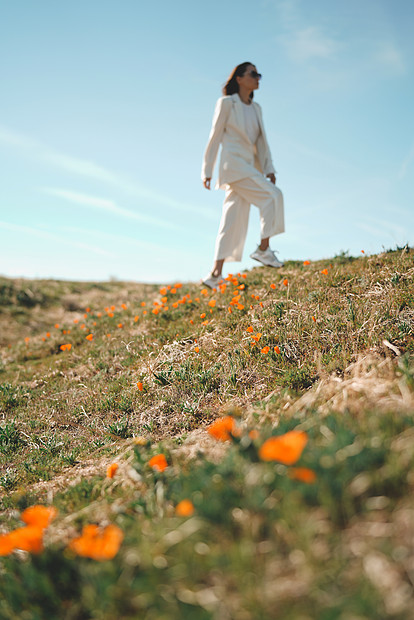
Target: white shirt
x=251, y=122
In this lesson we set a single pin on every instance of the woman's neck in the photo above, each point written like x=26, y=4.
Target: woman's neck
x=244, y=94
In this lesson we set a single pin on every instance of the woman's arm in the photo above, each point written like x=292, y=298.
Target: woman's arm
x=221, y=114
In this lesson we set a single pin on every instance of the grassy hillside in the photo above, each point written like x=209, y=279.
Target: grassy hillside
x=306, y=508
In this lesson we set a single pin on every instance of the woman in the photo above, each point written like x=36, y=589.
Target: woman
x=246, y=172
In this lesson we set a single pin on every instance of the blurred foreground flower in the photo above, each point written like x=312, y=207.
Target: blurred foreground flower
x=303, y=474
x=158, y=462
x=96, y=543
x=184, y=508
x=111, y=470
x=286, y=448
x=223, y=428
x=30, y=537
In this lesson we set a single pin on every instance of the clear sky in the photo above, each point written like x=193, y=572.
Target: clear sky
x=106, y=106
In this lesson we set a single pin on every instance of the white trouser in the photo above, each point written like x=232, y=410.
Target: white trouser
x=239, y=196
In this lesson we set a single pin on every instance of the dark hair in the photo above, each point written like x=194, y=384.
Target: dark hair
x=231, y=86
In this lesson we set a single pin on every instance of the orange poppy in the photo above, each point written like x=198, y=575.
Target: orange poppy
x=313, y=319
x=306, y=262
x=88, y=309
x=140, y=386
x=57, y=325
x=265, y=350
x=136, y=318
x=38, y=515
x=96, y=543
x=120, y=325
x=276, y=349
x=303, y=474
x=253, y=434
x=203, y=315
x=285, y=448
x=250, y=329
x=123, y=306
x=47, y=334
x=173, y=291
x=89, y=337
x=240, y=307
x=158, y=462
x=65, y=347
x=204, y=292
x=324, y=272
x=111, y=470
x=112, y=308
x=143, y=304
x=185, y=508
x=196, y=349
x=212, y=303
x=163, y=291
x=29, y=538
x=204, y=323
x=223, y=428
x=273, y=286
x=285, y=282
x=110, y=314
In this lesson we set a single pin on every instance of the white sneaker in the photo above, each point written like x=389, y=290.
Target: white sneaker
x=212, y=281
x=266, y=257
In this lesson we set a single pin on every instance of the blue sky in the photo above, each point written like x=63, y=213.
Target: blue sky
x=106, y=108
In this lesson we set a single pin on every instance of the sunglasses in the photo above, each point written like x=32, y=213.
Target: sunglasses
x=254, y=74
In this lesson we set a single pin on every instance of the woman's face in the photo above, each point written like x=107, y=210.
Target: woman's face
x=247, y=80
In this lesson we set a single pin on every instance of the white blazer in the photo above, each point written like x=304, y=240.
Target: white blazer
x=240, y=158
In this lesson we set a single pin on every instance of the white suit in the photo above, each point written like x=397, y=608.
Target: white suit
x=242, y=170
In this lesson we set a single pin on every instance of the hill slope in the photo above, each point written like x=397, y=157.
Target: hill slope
x=91, y=373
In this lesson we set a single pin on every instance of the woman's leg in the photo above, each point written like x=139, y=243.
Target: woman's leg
x=232, y=230
x=269, y=199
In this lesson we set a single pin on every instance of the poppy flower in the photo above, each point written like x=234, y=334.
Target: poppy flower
x=313, y=319
x=324, y=272
x=110, y=314
x=123, y=306
x=57, y=325
x=96, y=543
x=29, y=538
x=89, y=337
x=273, y=286
x=276, y=349
x=265, y=350
x=112, y=308
x=223, y=428
x=143, y=304
x=144, y=312
x=76, y=321
x=47, y=334
x=185, y=508
x=254, y=434
x=363, y=251
x=136, y=319
x=286, y=448
x=158, y=462
x=88, y=309
x=303, y=474
x=285, y=282
x=196, y=349
x=204, y=323
x=212, y=303
x=120, y=325
x=250, y=329
x=203, y=315
x=306, y=262
x=163, y=291
x=111, y=470
x=38, y=515
x=173, y=291
x=65, y=347
x=140, y=386
x=240, y=307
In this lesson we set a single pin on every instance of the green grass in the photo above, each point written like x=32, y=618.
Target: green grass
x=259, y=540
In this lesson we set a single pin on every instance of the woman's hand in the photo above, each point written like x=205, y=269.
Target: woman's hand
x=207, y=183
x=271, y=178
